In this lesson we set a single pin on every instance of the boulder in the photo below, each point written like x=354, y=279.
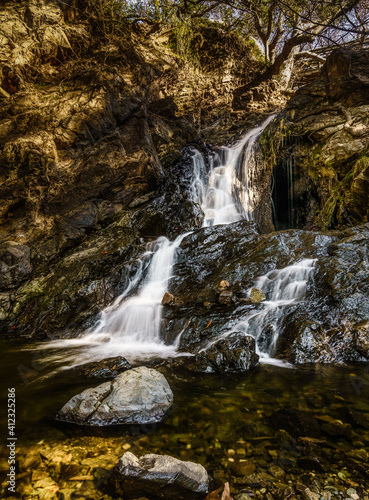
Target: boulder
x=139, y=396
x=160, y=476
x=234, y=353
x=104, y=369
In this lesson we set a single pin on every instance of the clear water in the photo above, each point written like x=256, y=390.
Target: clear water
x=212, y=415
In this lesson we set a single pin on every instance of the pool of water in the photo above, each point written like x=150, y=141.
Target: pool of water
x=264, y=431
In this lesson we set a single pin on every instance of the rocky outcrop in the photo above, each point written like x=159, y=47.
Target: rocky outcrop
x=160, y=476
x=319, y=146
x=138, y=396
x=230, y=354
x=328, y=325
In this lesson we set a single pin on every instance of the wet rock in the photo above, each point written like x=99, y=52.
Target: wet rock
x=160, y=476
x=297, y=423
x=257, y=296
x=207, y=295
x=244, y=468
x=168, y=299
x=310, y=463
x=137, y=396
x=223, y=285
x=104, y=369
x=15, y=264
x=225, y=298
x=234, y=353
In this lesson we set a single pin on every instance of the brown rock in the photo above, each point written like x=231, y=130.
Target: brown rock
x=243, y=468
x=224, y=285
x=257, y=296
x=225, y=298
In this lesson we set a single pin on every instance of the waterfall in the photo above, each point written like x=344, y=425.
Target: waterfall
x=137, y=319
x=227, y=193
x=282, y=288
x=131, y=326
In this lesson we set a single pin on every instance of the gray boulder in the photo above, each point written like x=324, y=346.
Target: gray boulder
x=139, y=396
x=160, y=476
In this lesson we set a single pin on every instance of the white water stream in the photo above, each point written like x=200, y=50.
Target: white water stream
x=131, y=326
x=283, y=288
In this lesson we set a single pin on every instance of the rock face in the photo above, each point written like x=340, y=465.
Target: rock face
x=321, y=142
x=160, y=476
x=138, y=396
x=88, y=155
x=231, y=354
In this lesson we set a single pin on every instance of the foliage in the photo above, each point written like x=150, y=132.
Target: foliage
x=284, y=29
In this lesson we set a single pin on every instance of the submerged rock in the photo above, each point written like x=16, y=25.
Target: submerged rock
x=104, y=369
x=138, y=396
x=160, y=476
x=296, y=422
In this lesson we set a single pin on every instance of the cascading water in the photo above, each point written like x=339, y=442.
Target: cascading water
x=227, y=194
x=282, y=288
x=131, y=325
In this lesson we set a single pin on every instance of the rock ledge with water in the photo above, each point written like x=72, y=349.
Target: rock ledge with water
x=233, y=353
x=160, y=476
x=139, y=396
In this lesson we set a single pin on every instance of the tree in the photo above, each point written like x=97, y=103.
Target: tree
x=284, y=27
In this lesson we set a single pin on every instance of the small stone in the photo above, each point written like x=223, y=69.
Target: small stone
x=168, y=299
x=243, y=496
x=126, y=446
x=225, y=298
x=309, y=495
x=257, y=296
x=244, y=468
x=223, y=285
x=276, y=471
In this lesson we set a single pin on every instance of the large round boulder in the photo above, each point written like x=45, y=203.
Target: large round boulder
x=136, y=397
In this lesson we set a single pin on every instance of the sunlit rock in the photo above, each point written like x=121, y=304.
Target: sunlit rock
x=138, y=396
